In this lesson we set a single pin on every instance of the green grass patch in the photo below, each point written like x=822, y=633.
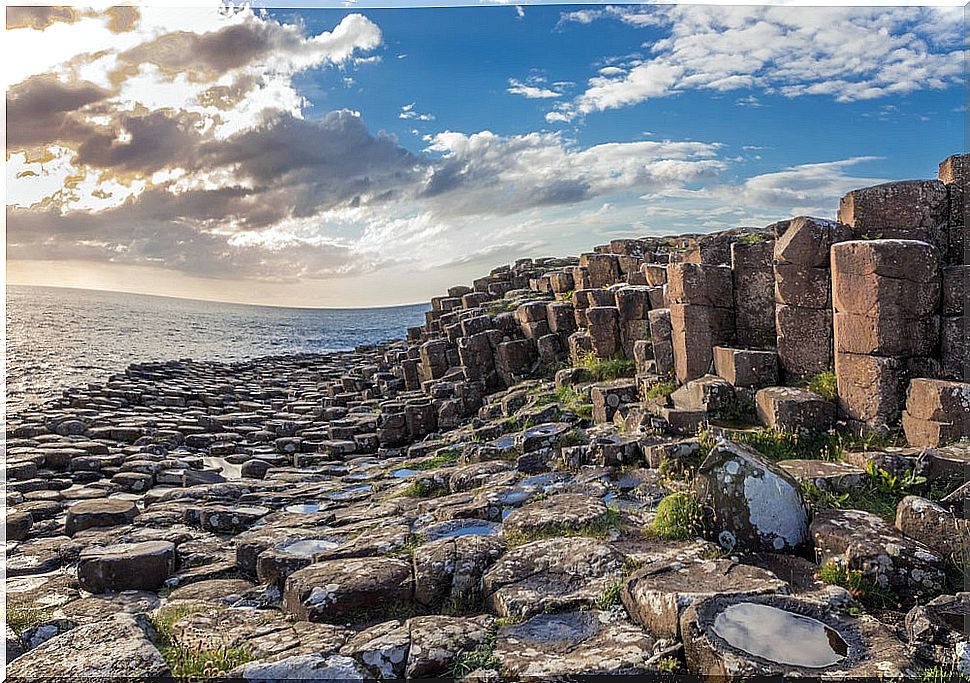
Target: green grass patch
x=574, y=401
x=164, y=618
x=880, y=495
x=776, y=444
x=662, y=389
x=860, y=586
x=599, y=528
x=679, y=517
x=440, y=459
x=23, y=617
x=502, y=306
x=824, y=385
x=418, y=489
x=191, y=665
x=603, y=370
x=609, y=596
x=482, y=657
x=939, y=674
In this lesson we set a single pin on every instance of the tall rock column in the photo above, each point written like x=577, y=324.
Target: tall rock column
x=701, y=315
x=886, y=295
x=754, y=293
x=955, y=328
x=955, y=174
x=803, y=308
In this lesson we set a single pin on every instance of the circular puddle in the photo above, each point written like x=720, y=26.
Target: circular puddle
x=780, y=636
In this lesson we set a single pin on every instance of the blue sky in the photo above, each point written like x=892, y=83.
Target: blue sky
x=370, y=156
x=456, y=63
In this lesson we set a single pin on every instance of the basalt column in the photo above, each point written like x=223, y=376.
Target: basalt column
x=803, y=308
x=886, y=295
x=701, y=315
x=754, y=293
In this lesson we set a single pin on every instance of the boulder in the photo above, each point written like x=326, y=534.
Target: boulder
x=549, y=575
x=828, y=476
x=449, y=571
x=101, y=512
x=747, y=368
x=608, y=396
x=865, y=542
x=752, y=504
x=436, y=641
x=934, y=526
x=126, y=566
x=794, y=410
x=903, y=210
x=307, y=667
x=349, y=589
x=116, y=647
x=937, y=631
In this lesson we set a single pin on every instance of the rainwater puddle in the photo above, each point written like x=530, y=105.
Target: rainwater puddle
x=780, y=636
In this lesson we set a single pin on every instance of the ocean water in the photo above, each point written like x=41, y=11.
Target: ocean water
x=59, y=338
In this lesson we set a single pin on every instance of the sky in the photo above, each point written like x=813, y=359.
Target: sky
x=362, y=156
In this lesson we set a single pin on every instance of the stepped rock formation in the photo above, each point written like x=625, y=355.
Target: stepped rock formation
x=544, y=478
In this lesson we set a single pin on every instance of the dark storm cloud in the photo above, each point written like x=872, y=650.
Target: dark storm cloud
x=43, y=110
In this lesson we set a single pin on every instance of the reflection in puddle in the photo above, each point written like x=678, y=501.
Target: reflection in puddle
x=780, y=636
x=304, y=508
x=404, y=473
x=307, y=547
x=224, y=467
x=348, y=493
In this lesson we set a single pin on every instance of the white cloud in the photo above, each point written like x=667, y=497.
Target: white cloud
x=408, y=113
x=847, y=53
x=531, y=92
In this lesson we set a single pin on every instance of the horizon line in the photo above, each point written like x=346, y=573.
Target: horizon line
x=213, y=301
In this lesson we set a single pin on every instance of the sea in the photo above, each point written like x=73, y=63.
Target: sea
x=58, y=338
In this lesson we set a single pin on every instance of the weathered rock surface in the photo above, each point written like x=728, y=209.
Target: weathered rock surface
x=865, y=542
x=752, y=504
x=555, y=574
x=118, y=647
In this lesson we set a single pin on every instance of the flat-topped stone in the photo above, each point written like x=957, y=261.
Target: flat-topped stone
x=126, y=566
x=102, y=512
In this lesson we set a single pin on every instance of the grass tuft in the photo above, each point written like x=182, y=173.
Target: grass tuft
x=860, y=586
x=880, y=495
x=679, y=517
x=22, y=617
x=603, y=370
x=443, y=457
x=193, y=664
x=609, y=596
x=825, y=385
x=662, y=389
x=482, y=657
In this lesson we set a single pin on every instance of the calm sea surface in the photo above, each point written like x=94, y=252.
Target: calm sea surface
x=58, y=338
